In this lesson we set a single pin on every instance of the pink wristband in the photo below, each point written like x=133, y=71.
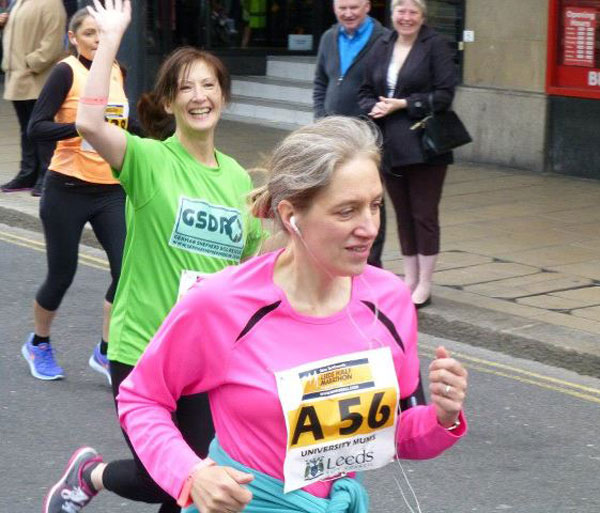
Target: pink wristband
x=90, y=100
x=184, y=498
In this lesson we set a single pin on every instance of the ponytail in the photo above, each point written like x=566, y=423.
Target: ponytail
x=156, y=123
x=260, y=201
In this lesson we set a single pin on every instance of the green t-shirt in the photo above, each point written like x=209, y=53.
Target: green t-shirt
x=181, y=215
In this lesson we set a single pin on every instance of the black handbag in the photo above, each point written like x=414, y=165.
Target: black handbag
x=442, y=131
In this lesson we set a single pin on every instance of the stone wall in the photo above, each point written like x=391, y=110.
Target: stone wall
x=502, y=99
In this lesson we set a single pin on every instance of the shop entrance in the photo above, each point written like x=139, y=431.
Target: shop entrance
x=236, y=24
x=276, y=25
x=244, y=32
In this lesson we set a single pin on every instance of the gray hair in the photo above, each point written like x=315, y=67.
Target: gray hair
x=74, y=24
x=364, y=1
x=304, y=162
x=419, y=3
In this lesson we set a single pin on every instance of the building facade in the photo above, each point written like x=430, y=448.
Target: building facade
x=244, y=32
x=531, y=84
x=530, y=71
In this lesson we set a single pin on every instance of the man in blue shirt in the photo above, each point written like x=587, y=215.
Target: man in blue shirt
x=340, y=70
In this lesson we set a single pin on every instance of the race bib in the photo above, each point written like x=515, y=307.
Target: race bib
x=115, y=113
x=188, y=278
x=212, y=230
x=341, y=415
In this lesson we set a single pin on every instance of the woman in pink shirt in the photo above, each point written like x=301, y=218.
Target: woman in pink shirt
x=305, y=352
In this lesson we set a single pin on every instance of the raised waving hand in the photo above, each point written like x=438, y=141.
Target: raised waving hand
x=113, y=18
x=109, y=141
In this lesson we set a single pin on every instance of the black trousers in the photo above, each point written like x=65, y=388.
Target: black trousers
x=416, y=191
x=64, y=210
x=35, y=156
x=128, y=478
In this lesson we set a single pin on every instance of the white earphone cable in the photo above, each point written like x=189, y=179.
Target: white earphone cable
x=370, y=342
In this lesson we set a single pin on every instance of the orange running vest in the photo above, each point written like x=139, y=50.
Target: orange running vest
x=75, y=156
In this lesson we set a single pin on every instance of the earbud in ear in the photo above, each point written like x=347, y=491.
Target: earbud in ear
x=294, y=225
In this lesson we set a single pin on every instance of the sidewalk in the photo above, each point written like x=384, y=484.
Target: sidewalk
x=520, y=264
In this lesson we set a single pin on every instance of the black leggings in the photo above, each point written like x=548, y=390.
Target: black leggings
x=129, y=478
x=66, y=205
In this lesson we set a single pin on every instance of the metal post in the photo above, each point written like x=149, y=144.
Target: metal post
x=206, y=23
x=133, y=53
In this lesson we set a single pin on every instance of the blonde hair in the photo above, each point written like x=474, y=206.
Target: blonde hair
x=419, y=3
x=304, y=162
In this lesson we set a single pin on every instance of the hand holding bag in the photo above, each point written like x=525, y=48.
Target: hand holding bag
x=442, y=131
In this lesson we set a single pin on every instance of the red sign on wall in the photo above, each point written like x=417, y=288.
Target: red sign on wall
x=574, y=48
x=579, y=36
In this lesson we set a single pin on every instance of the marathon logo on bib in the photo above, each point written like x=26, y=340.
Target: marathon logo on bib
x=211, y=230
x=344, y=376
x=340, y=414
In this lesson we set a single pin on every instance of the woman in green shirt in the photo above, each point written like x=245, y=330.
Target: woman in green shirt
x=185, y=212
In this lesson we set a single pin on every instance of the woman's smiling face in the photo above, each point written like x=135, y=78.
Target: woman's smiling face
x=407, y=18
x=199, y=100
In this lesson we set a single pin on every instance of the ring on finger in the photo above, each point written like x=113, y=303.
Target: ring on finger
x=447, y=390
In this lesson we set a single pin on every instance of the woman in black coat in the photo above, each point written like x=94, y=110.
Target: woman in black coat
x=406, y=69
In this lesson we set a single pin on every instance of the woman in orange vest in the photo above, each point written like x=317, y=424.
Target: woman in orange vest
x=79, y=188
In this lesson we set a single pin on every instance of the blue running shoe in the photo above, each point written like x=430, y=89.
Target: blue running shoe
x=71, y=493
x=99, y=362
x=41, y=360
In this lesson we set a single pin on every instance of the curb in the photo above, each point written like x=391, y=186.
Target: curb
x=455, y=320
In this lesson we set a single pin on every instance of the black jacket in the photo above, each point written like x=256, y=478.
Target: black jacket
x=429, y=68
x=332, y=95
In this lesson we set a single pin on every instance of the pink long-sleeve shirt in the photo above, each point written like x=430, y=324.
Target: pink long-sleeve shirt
x=229, y=335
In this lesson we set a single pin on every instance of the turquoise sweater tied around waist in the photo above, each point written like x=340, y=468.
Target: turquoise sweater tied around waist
x=347, y=495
